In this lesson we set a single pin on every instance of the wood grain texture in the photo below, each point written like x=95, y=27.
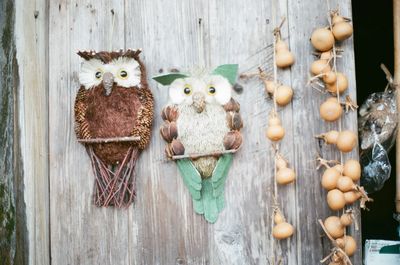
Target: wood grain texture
x=32, y=42
x=80, y=232
x=161, y=227
x=307, y=123
x=8, y=136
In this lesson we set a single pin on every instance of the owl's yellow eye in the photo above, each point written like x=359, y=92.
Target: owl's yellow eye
x=211, y=90
x=187, y=90
x=98, y=74
x=123, y=74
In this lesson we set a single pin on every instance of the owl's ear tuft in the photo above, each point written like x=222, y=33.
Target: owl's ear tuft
x=87, y=55
x=167, y=79
x=131, y=53
x=229, y=71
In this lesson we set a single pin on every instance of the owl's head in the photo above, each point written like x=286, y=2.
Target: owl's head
x=120, y=68
x=201, y=89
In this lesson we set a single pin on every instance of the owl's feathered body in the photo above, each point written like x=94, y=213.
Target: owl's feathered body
x=112, y=116
x=113, y=102
x=202, y=121
x=202, y=133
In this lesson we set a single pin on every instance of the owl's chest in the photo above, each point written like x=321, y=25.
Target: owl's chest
x=202, y=132
x=114, y=115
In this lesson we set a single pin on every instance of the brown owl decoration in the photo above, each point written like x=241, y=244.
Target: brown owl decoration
x=113, y=119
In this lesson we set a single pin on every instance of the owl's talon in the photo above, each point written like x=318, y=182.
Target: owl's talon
x=232, y=140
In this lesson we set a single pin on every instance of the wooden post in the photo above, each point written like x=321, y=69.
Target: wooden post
x=396, y=26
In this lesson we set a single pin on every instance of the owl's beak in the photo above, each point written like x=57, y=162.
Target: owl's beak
x=199, y=102
x=108, y=82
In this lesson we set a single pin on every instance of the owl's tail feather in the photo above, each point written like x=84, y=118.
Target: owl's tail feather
x=114, y=187
x=210, y=207
x=207, y=194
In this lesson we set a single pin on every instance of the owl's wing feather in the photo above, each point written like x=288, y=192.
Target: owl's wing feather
x=235, y=121
x=212, y=199
x=220, y=174
x=210, y=206
x=169, y=113
x=191, y=177
x=81, y=125
x=144, y=119
x=232, y=105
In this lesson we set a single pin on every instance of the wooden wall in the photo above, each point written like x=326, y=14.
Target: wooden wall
x=161, y=227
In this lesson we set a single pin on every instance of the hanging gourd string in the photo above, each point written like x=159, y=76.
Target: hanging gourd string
x=277, y=35
x=334, y=57
x=336, y=248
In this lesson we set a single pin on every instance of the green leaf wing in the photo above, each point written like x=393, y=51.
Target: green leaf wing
x=191, y=177
x=229, y=71
x=167, y=79
x=210, y=205
x=220, y=174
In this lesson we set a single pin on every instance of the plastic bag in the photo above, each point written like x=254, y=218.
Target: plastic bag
x=377, y=129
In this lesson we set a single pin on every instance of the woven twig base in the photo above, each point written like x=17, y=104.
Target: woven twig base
x=114, y=186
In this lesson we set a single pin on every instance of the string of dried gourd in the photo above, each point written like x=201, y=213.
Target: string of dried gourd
x=339, y=179
x=281, y=96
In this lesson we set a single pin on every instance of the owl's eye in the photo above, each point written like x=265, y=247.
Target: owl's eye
x=187, y=90
x=98, y=74
x=123, y=74
x=211, y=90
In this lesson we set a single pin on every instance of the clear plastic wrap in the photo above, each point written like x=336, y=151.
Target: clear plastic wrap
x=377, y=130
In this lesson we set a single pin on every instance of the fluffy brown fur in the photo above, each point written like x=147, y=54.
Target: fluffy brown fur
x=107, y=57
x=125, y=112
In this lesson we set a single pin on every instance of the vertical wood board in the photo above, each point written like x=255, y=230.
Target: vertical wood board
x=161, y=227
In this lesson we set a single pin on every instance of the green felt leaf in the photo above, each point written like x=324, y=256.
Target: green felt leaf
x=198, y=206
x=207, y=194
x=221, y=202
x=167, y=79
x=229, y=71
x=220, y=174
x=191, y=177
x=209, y=202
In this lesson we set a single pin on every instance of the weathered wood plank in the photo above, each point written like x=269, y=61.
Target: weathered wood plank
x=80, y=232
x=161, y=228
x=31, y=42
x=307, y=123
x=173, y=234
x=14, y=245
x=7, y=135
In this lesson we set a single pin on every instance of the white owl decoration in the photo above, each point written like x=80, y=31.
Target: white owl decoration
x=202, y=124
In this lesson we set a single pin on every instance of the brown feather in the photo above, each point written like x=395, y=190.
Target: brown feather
x=125, y=112
x=107, y=57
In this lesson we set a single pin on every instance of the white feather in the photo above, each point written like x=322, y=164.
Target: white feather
x=223, y=89
x=131, y=66
x=176, y=90
x=89, y=68
x=87, y=75
x=202, y=133
x=222, y=95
